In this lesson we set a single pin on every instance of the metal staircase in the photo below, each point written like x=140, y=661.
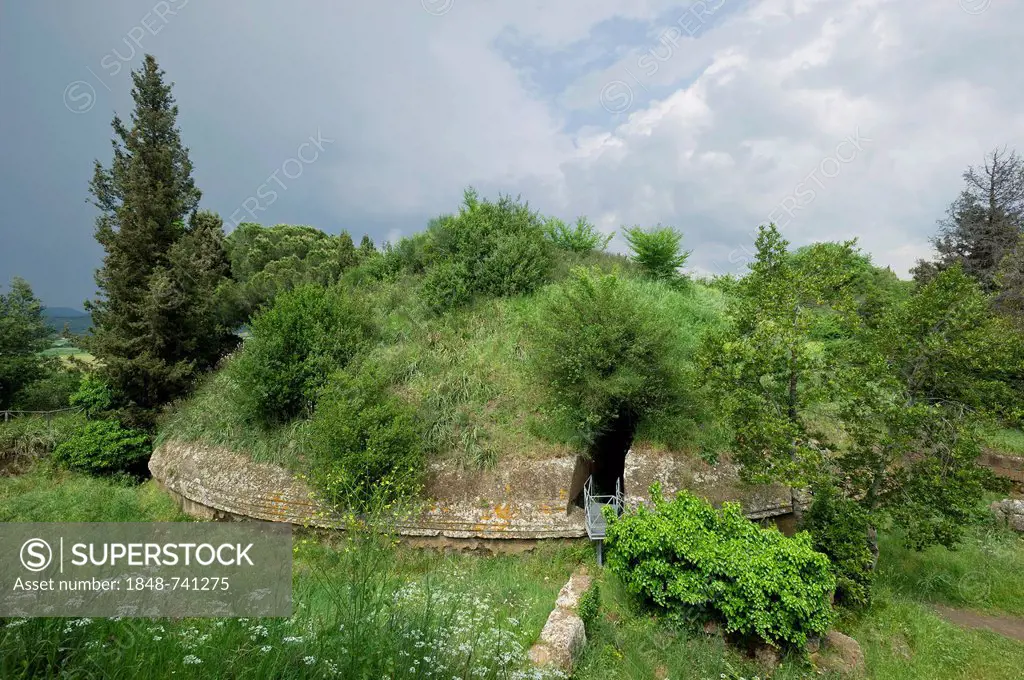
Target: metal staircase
x=594, y=505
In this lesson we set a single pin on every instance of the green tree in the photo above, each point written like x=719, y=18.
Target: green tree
x=984, y=223
x=296, y=343
x=366, y=248
x=582, y=237
x=658, y=251
x=151, y=298
x=906, y=391
x=23, y=334
x=773, y=365
x=489, y=248
x=1010, y=285
x=268, y=260
x=614, y=353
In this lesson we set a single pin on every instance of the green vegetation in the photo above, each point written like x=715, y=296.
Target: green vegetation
x=838, y=527
x=983, y=573
x=367, y=445
x=33, y=436
x=500, y=333
x=699, y=565
x=614, y=350
x=295, y=344
x=157, y=321
x=1005, y=440
x=902, y=638
x=657, y=251
x=363, y=607
x=45, y=493
x=268, y=261
x=582, y=237
x=103, y=446
x=496, y=249
x=23, y=335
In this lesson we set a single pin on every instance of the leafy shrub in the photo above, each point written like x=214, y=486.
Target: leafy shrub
x=696, y=563
x=446, y=285
x=839, y=528
x=581, y=238
x=366, y=443
x=488, y=248
x=408, y=255
x=93, y=396
x=51, y=392
x=610, y=347
x=657, y=251
x=590, y=606
x=103, y=446
x=296, y=344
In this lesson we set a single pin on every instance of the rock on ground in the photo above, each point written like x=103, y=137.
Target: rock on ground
x=1010, y=511
x=841, y=654
x=563, y=636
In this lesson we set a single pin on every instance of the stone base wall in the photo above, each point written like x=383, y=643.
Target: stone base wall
x=520, y=499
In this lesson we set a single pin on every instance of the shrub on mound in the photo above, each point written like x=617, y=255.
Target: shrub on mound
x=296, y=343
x=494, y=249
x=103, y=446
x=366, y=442
x=697, y=564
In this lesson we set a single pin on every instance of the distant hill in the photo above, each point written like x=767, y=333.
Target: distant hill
x=77, y=320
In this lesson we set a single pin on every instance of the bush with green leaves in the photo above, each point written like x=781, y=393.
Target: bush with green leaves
x=93, y=396
x=839, y=528
x=52, y=391
x=496, y=249
x=610, y=347
x=583, y=237
x=366, y=443
x=103, y=446
x=590, y=606
x=697, y=564
x=304, y=336
x=658, y=251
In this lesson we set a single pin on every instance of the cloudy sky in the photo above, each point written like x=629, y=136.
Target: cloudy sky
x=833, y=118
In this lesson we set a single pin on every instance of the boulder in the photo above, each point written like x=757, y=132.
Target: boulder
x=561, y=640
x=839, y=654
x=563, y=636
x=1010, y=511
x=570, y=594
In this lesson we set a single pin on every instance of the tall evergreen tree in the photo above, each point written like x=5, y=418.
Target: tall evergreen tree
x=23, y=334
x=145, y=318
x=984, y=223
x=1010, y=285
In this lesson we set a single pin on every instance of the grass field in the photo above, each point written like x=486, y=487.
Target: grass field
x=1006, y=441
x=364, y=607
x=362, y=604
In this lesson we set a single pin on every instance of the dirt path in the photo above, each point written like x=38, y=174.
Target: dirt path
x=1010, y=626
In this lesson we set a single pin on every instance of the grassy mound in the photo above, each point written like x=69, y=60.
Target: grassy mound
x=467, y=372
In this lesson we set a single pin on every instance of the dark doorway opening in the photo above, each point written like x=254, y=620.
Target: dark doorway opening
x=606, y=460
x=608, y=453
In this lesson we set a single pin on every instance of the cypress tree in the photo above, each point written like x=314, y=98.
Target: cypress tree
x=151, y=293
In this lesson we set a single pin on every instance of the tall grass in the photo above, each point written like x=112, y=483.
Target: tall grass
x=985, y=572
x=47, y=494
x=31, y=436
x=903, y=639
x=1005, y=440
x=362, y=610
x=214, y=415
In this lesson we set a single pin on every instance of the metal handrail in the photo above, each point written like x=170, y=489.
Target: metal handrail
x=595, y=502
